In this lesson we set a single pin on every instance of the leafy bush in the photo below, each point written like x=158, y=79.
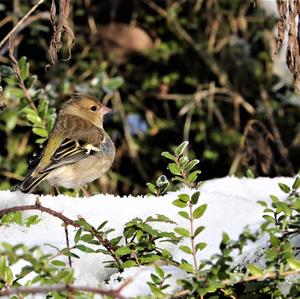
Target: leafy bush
x=139, y=245
x=207, y=78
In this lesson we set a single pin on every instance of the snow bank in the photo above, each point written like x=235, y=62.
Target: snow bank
x=232, y=204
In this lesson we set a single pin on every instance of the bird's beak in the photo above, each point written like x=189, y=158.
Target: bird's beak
x=105, y=109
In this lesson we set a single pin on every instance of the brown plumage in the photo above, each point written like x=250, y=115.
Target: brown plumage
x=78, y=149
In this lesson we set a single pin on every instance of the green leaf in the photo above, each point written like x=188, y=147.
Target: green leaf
x=152, y=188
x=182, y=232
x=77, y=235
x=296, y=204
x=296, y=184
x=128, y=264
x=155, y=291
x=199, y=211
x=183, y=161
x=40, y=132
x=18, y=219
x=87, y=238
x=198, y=230
x=191, y=164
x=250, y=174
x=187, y=267
x=8, y=276
x=2, y=266
x=179, y=203
x=254, y=270
x=184, y=197
x=159, y=271
x=102, y=225
x=193, y=176
x=274, y=241
x=195, y=198
x=274, y=198
x=84, y=248
x=168, y=156
x=294, y=264
x=180, y=149
x=174, y=168
x=155, y=279
x=184, y=214
x=58, y=263
x=150, y=259
x=123, y=251
x=34, y=219
x=160, y=218
x=268, y=218
x=200, y=246
x=285, y=188
x=24, y=68
x=262, y=203
x=35, y=119
x=185, y=249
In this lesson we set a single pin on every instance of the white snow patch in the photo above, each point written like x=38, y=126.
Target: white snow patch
x=232, y=204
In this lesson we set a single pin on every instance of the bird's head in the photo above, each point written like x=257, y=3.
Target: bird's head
x=87, y=107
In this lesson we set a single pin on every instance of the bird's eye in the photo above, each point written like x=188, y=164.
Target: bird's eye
x=93, y=108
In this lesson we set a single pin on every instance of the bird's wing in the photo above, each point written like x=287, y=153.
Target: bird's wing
x=67, y=153
x=68, y=144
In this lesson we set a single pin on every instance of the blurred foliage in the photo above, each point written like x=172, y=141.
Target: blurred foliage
x=204, y=74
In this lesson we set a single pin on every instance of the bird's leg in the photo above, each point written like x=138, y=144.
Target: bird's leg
x=56, y=188
x=86, y=194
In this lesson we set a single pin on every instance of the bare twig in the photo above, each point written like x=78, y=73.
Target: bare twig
x=67, y=221
x=68, y=245
x=5, y=39
x=41, y=208
x=65, y=287
x=280, y=145
x=18, y=73
x=39, y=16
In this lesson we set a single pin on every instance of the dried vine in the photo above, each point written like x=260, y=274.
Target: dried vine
x=289, y=11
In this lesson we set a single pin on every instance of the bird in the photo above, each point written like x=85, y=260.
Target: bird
x=77, y=151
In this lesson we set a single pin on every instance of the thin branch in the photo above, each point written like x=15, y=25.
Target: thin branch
x=5, y=39
x=65, y=287
x=18, y=73
x=278, y=140
x=68, y=245
x=67, y=221
x=41, y=208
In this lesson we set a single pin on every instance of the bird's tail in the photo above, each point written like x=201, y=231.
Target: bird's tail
x=29, y=183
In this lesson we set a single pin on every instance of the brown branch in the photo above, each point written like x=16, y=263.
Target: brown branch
x=5, y=39
x=278, y=141
x=59, y=288
x=67, y=221
x=37, y=206
x=68, y=245
x=39, y=16
x=18, y=73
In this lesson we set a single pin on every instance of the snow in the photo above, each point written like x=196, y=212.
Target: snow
x=232, y=204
